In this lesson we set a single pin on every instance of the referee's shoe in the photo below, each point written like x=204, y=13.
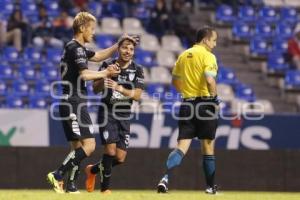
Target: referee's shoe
x=162, y=186
x=212, y=190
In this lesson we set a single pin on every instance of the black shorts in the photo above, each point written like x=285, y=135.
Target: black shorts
x=113, y=130
x=197, y=118
x=76, y=121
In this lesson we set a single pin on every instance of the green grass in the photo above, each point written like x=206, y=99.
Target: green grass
x=145, y=195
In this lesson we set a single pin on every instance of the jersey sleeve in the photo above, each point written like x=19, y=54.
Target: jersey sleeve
x=103, y=66
x=210, y=65
x=90, y=53
x=176, y=70
x=139, y=80
x=80, y=58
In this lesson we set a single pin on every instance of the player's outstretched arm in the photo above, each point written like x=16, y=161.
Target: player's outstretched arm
x=88, y=75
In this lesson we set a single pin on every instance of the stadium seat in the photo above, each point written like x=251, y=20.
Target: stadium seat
x=225, y=92
x=14, y=101
x=33, y=55
x=6, y=72
x=133, y=26
x=171, y=43
x=156, y=90
x=226, y=76
x=54, y=55
x=149, y=42
x=237, y=106
x=160, y=75
x=39, y=102
x=3, y=88
x=147, y=78
x=264, y=30
x=20, y=87
x=50, y=73
x=284, y=30
x=292, y=79
x=274, y=3
x=27, y=72
x=42, y=87
x=29, y=8
x=145, y=58
x=111, y=26
x=105, y=41
x=289, y=14
x=113, y=9
x=224, y=14
x=141, y=12
x=259, y=47
x=276, y=63
x=149, y=105
x=244, y=92
x=6, y=7
x=95, y=8
x=247, y=14
x=292, y=3
x=242, y=30
x=11, y=54
x=268, y=14
x=280, y=45
x=266, y=105
x=165, y=58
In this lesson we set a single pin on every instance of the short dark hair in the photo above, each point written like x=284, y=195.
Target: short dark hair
x=126, y=39
x=203, y=32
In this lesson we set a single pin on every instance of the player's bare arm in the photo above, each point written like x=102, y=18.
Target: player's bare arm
x=134, y=94
x=177, y=83
x=211, y=84
x=110, y=71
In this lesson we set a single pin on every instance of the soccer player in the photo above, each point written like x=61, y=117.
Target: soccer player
x=73, y=109
x=116, y=109
x=194, y=76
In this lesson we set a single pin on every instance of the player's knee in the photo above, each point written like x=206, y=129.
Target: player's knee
x=121, y=160
x=89, y=148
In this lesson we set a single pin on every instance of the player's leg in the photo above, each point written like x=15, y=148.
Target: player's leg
x=73, y=174
x=174, y=160
x=120, y=157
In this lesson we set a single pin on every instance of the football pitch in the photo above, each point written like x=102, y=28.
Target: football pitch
x=146, y=195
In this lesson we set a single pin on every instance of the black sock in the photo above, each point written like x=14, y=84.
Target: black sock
x=74, y=173
x=209, y=167
x=116, y=162
x=106, y=173
x=96, y=167
x=73, y=159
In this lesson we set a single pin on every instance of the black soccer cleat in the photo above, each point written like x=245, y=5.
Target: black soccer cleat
x=162, y=186
x=212, y=190
x=72, y=188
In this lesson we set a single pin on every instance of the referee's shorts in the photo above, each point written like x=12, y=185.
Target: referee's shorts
x=198, y=117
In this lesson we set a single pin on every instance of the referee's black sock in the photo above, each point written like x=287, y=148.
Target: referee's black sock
x=209, y=167
x=107, y=161
x=73, y=159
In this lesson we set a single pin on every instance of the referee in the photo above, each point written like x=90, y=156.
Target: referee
x=194, y=76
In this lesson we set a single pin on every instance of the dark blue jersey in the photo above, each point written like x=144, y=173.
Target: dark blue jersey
x=75, y=58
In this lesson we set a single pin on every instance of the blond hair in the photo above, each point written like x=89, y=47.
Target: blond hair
x=82, y=19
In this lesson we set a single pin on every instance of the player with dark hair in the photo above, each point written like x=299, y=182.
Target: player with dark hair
x=120, y=92
x=194, y=76
x=76, y=121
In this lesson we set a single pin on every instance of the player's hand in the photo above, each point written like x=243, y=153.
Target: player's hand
x=113, y=70
x=134, y=38
x=109, y=83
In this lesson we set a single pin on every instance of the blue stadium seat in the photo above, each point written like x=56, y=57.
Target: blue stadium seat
x=33, y=55
x=259, y=46
x=142, y=13
x=54, y=55
x=292, y=79
x=105, y=41
x=268, y=14
x=247, y=14
x=226, y=76
x=171, y=94
x=11, y=54
x=276, y=63
x=15, y=101
x=3, y=88
x=6, y=7
x=6, y=72
x=156, y=90
x=50, y=73
x=264, y=29
x=37, y=101
x=145, y=58
x=242, y=30
x=95, y=8
x=224, y=14
x=284, y=30
x=289, y=14
x=29, y=8
x=245, y=92
x=42, y=87
x=280, y=45
x=27, y=72
x=20, y=87
x=52, y=8
x=114, y=9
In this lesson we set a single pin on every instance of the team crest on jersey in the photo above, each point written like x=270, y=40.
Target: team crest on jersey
x=105, y=135
x=80, y=52
x=131, y=76
x=190, y=55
